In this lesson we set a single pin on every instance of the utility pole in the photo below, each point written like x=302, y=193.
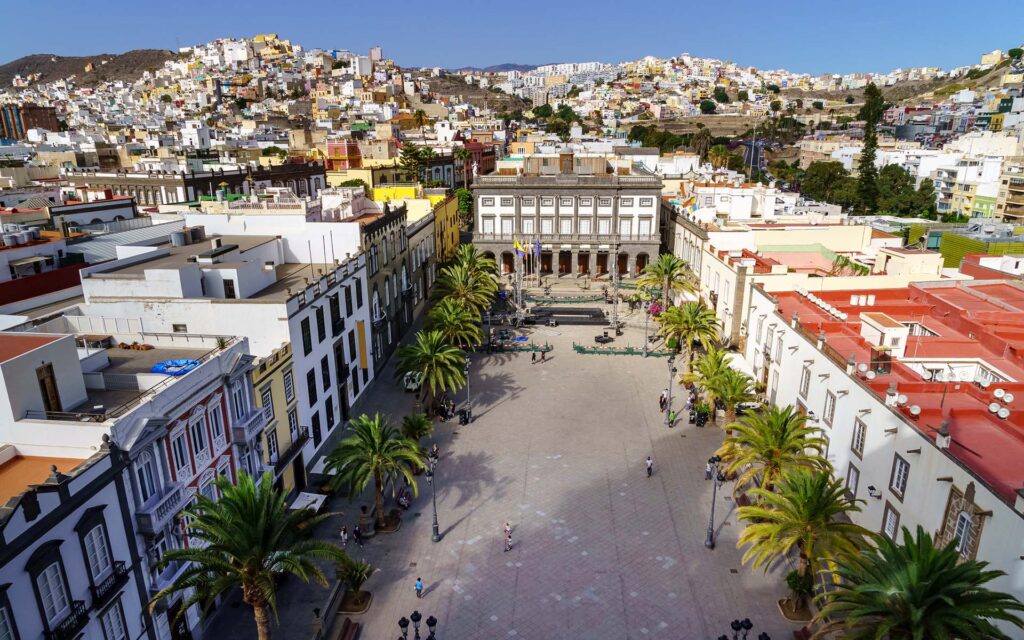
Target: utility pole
x=615, y=289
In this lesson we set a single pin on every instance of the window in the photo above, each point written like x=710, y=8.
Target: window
x=179, y=451
x=337, y=324
x=830, y=408
x=528, y=225
x=890, y=521
x=50, y=585
x=238, y=400
x=488, y=225
x=506, y=202
x=97, y=553
x=626, y=202
x=384, y=249
x=311, y=386
x=584, y=225
x=547, y=202
x=646, y=202
x=307, y=337
x=317, y=437
x=625, y=228
x=216, y=426
x=359, y=293
x=586, y=202
x=604, y=202
x=267, y=402
x=145, y=473
x=565, y=202
x=293, y=424
x=604, y=226
x=565, y=225
x=852, y=479
x=289, y=386
x=351, y=346
x=229, y=288
x=529, y=201
x=348, y=301
x=506, y=226
x=645, y=228
x=962, y=533
x=112, y=622
x=486, y=202
x=546, y=226
x=179, y=328
x=6, y=624
x=321, y=325
x=325, y=371
x=197, y=430
x=271, y=445
x=900, y=473
x=805, y=381
x=329, y=411
x=859, y=430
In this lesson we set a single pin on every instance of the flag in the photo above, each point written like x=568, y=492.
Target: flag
x=536, y=248
x=520, y=250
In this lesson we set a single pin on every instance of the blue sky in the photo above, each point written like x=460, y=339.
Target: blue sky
x=814, y=36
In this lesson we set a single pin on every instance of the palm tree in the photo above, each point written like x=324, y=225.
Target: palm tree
x=770, y=442
x=701, y=142
x=461, y=154
x=417, y=426
x=733, y=389
x=374, y=451
x=707, y=372
x=915, y=591
x=474, y=291
x=250, y=538
x=457, y=324
x=469, y=256
x=689, y=323
x=806, y=514
x=668, y=272
x=440, y=364
x=718, y=155
x=420, y=117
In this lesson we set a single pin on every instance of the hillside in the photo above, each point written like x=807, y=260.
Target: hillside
x=448, y=85
x=125, y=66
x=500, y=68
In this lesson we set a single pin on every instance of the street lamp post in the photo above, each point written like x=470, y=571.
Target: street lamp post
x=744, y=626
x=431, y=474
x=717, y=478
x=647, y=338
x=671, y=375
x=469, y=399
x=414, y=618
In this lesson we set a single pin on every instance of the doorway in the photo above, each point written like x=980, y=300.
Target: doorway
x=48, y=388
x=583, y=264
x=602, y=264
x=299, y=471
x=622, y=265
x=564, y=263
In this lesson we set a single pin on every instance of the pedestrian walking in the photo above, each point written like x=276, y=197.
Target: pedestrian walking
x=533, y=358
x=650, y=466
x=344, y=536
x=508, y=529
x=663, y=399
x=508, y=541
x=435, y=453
x=357, y=536
x=543, y=356
x=708, y=470
x=671, y=419
x=419, y=587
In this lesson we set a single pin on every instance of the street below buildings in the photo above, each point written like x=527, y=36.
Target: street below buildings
x=599, y=550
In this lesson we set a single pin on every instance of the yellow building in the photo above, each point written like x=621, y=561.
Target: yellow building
x=446, y=228
x=283, y=438
x=996, y=122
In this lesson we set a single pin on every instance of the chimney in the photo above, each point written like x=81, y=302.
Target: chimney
x=942, y=438
x=821, y=339
x=891, y=395
x=795, y=320
x=851, y=365
x=215, y=243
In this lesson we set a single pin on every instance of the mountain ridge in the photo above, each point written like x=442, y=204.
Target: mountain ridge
x=107, y=66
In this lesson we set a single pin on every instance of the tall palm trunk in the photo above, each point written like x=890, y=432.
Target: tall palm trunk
x=378, y=499
x=664, y=295
x=260, y=610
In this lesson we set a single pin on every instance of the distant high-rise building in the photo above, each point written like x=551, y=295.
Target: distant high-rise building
x=376, y=55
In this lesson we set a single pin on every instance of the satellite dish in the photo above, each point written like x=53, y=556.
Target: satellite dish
x=985, y=384
x=1004, y=413
x=928, y=374
x=999, y=393
x=1007, y=398
x=994, y=407
x=870, y=375
x=862, y=367
x=902, y=399
x=915, y=410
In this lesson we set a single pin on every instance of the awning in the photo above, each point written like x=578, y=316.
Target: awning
x=320, y=467
x=314, y=501
x=23, y=261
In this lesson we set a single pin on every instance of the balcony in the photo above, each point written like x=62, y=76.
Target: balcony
x=248, y=428
x=286, y=456
x=157, y=512
x=70, y=626
x=164, y=579
x=568, y=238
x=109, y=585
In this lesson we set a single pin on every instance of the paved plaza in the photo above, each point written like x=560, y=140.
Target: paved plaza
x=600, y=551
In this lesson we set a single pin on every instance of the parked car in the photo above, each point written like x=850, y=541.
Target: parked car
x=412, y=381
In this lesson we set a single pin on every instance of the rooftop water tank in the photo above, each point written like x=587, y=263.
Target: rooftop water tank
x=178, y=239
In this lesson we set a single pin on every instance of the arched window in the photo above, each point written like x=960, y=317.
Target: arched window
x=405, y=278
x=376, y=304
x=387, y=290
x=963, y=534
x=394, y=284
x=384, y=249
x=148, y=476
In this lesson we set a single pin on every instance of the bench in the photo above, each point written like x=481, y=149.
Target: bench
x=349, y=630
x=803, y=633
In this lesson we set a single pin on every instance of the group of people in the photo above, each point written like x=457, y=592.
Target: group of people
x=543, y=357
x=663, y=404
x=357, y=536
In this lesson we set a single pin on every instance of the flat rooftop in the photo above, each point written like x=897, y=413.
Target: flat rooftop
x=14, y=344
x=18, y=473
x=129, y=362
x=179, y=256
x=963, y=322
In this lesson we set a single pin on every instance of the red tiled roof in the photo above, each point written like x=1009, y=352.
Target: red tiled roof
x=984, y=321
x=13, y=345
